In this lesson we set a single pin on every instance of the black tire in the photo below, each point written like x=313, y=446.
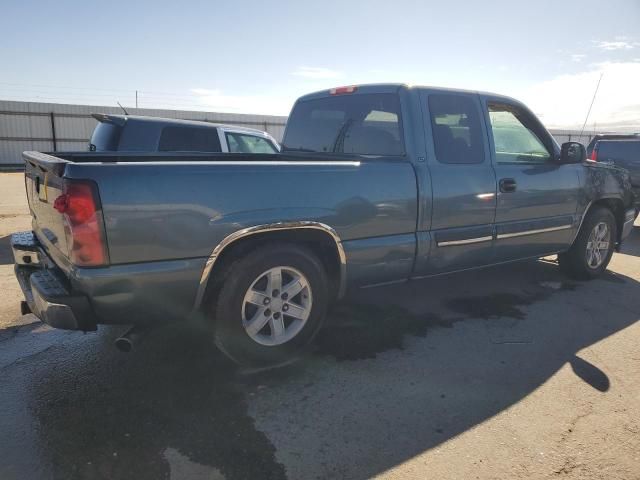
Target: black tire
x=575, y=261
x=229, y=333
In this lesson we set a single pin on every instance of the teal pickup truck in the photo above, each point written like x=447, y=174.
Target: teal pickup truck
x=375, y=184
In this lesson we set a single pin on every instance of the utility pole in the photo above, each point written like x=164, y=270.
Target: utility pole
x=136, y=98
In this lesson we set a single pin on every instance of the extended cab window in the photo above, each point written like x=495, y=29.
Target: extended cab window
x=365, y=124
x=514, y=136
x=457, y=131
x=189, y=139
x=241, y=143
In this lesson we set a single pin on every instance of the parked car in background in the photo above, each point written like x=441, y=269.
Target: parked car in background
x=376, y=184
x=610, y=136
x=621, y=153
x=133, y=133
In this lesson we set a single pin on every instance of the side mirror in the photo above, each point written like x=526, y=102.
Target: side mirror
x=572, y=152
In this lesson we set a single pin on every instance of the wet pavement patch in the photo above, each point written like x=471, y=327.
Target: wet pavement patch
x=492, y=306
x=360, y=331
x=177, y=404
x=505, y=304
x=356, y=331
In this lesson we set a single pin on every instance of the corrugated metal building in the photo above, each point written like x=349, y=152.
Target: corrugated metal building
x=60, y=127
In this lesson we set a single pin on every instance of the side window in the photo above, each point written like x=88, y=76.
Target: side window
x=189, y=139
x=234, y=146
x=457, y=131
x=241, y=143
x=514, y=136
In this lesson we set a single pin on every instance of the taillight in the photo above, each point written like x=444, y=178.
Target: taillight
x=343, y=90
x=594, y=154
x=80, y=207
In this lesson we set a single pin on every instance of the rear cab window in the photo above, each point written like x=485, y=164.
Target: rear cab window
x=364, y=124
x=189, y=139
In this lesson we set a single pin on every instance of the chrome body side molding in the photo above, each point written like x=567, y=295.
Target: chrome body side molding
x=533, y=232
x=272, y=227
x=465, y=241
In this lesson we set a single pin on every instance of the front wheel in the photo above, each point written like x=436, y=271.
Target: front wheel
x=593, y=248
x=271, y=305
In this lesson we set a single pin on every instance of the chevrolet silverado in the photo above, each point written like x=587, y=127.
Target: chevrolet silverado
x=375, y=184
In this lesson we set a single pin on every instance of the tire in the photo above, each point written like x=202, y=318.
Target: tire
x=241, y=306
x=580, y=261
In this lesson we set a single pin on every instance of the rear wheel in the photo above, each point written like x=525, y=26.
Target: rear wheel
x=591, y=252
x=271, y=305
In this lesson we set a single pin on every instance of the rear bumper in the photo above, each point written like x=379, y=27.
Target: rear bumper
x=126, y=294
x=46, y=290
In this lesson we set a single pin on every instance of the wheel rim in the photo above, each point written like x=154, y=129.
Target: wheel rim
x=276, y=306
x=598, y=245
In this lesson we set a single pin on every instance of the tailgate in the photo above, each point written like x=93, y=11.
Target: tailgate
x=43, y=182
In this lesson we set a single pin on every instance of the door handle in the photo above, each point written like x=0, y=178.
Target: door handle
x=508, y=185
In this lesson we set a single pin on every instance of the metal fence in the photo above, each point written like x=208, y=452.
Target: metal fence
x=562, y=136
x=60, y=127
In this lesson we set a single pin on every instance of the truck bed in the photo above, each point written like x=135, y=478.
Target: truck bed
x=176, y=206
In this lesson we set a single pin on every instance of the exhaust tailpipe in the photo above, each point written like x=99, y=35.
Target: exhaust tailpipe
x=131, y=337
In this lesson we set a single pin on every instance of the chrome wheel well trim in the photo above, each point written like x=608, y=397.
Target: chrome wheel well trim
x=265, y=228
x=584, y=215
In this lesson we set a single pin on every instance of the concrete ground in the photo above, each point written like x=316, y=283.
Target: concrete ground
x=510, y=372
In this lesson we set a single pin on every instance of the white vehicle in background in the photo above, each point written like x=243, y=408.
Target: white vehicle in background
x=134, y=133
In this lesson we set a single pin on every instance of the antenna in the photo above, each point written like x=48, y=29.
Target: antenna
x=123, y=109
x=592, y=100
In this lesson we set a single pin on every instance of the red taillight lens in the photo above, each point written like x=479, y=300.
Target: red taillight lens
x=343, y=90
x=60, y=203
x=594, y=154
x=81, y=204
x=83, y=223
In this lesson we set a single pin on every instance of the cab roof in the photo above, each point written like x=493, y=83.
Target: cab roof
x=395, y=88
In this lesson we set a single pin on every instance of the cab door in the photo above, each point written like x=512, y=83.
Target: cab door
x=463, y=184
x=537, y=197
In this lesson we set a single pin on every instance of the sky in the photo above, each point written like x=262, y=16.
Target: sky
x=258, y=57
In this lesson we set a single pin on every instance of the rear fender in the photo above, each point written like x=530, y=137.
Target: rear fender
x=263, y=229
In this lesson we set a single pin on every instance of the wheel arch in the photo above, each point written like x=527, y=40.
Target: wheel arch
x=318, y=237
x=615, y=205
